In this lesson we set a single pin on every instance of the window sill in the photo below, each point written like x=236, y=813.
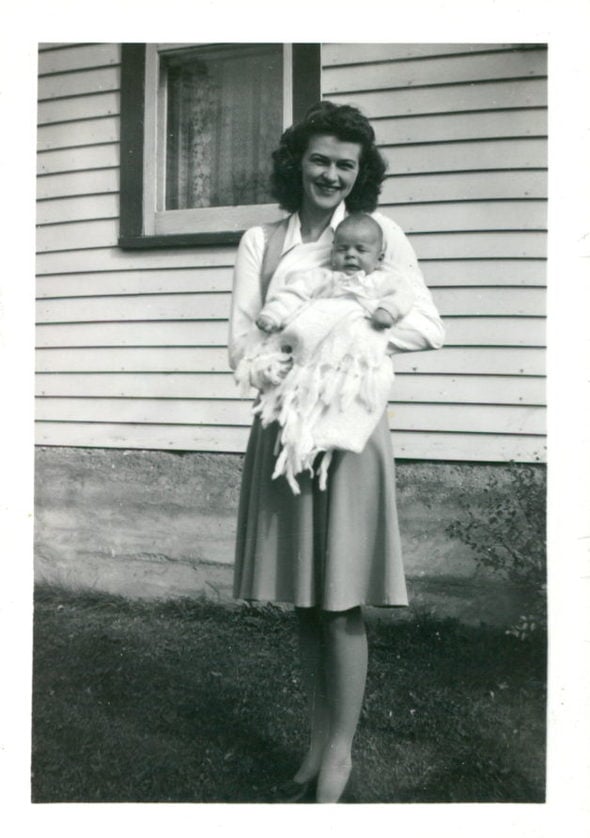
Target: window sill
x=230, y=237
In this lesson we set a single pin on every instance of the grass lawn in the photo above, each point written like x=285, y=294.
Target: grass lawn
x=192, y=701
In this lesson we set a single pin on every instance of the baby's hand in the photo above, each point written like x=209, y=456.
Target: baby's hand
x=381, y=319
x=266, y=324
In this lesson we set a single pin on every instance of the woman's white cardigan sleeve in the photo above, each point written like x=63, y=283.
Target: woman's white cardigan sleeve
x=246, y=301
x=422, y=327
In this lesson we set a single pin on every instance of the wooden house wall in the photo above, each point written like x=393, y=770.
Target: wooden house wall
x=131, y=344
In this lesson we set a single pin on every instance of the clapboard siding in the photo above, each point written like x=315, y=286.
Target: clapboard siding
x=345, y=54
x=86, y=157
x=78, y=57
x=449, y=360
x=452, y=98
x=465, y=389
x=461, y=331
x=451, y=69
x=465, y=156
x=105, y=129
x=431, y=217
x=451, y=272
x=76, y=108
x=215, y=306
x=80, y=83
x=229, y=439
x=440, y=219
x=409, y=417
x=76, y=246
x=484, y=125
x=71, y=184
x=131, y=345
x=464, y=186
x=79, y=208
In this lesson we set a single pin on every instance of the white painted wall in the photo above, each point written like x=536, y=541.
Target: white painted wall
x=131, y=345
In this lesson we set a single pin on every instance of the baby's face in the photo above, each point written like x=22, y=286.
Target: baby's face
x=356, y=248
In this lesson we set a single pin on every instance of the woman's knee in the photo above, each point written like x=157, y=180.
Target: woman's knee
x=340, y=623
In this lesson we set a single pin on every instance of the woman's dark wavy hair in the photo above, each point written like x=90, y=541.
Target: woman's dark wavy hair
x=347, y=124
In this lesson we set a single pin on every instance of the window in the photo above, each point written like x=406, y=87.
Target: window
x=198, y=124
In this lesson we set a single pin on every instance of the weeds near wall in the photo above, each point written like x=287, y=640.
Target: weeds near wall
x=507, y=534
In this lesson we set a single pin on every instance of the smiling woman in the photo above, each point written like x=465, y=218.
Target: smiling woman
x=326, y=552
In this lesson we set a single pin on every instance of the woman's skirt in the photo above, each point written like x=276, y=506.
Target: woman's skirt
x=335, y=549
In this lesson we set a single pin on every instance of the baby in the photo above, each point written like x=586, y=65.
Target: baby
x=355, y=272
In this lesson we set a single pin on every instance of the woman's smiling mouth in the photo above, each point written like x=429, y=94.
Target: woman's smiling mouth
x=327, y=187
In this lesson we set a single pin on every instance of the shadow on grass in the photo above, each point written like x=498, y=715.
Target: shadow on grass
x=188, y=701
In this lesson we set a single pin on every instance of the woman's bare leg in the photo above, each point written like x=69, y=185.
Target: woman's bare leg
x=311, y=653
x=345, y=662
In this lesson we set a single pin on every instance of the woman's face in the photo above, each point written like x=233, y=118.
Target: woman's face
x=329, y=169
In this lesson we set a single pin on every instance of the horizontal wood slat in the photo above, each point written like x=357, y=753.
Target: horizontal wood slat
x=473, y=273
x=422, y=212
x=470, y=215
x=478, y=125
x=59, y=247
x=215, y=306
x=464, y=186
x=79, y=208
x=97, y=181
x=480, y=221
x=447, y=70
x=112, y=258
x=136, y=282
x=449, y=360
x=74, y=159
x=88, y=132
x=76, y=108
x=407, y=387
x=415, y=218
x=484, y=96
x=397, y=189
x=88, y=81
x=467, y=156
x=80, y=57
x=408, y=417
x=80, y=234
x=406, y=445
x=334, y=54
x=485, y=272
x=460, y=331
x=467, y=245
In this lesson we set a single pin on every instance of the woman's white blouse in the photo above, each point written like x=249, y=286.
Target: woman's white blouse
x=421, y=328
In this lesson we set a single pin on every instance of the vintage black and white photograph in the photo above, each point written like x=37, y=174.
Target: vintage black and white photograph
x=290, y=468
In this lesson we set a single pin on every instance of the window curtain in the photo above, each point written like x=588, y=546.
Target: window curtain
x=225, y=110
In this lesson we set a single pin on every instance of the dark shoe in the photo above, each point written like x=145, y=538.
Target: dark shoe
x=292, y=792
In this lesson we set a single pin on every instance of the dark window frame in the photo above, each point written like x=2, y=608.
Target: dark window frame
x=306, y=63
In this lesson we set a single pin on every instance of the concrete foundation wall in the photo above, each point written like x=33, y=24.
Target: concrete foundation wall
x=158, y=524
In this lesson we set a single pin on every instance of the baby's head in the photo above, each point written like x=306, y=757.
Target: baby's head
x=358, y=244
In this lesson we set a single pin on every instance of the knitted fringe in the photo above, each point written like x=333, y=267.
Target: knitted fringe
x=332, y=401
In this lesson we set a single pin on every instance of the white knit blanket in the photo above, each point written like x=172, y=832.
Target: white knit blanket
x=334, y=394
